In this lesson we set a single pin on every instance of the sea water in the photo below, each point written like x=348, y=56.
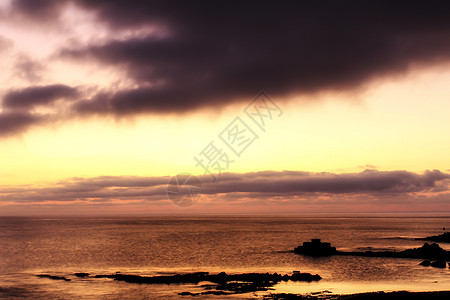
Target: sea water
x=154, y=245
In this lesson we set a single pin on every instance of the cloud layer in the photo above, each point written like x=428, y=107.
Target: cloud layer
x=200, y=55
x=216, y=54
x=299, y=189
x=30, y=97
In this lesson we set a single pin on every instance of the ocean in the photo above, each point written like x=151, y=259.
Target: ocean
x=153, y=245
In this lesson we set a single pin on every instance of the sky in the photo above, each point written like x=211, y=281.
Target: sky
x=177, y=107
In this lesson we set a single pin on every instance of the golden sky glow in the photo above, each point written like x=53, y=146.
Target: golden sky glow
x=86, y=95
x=389, y=126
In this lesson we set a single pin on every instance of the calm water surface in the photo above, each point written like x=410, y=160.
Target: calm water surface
x=166, y=245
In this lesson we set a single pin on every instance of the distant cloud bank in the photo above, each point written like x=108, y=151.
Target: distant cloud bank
x=282, y=191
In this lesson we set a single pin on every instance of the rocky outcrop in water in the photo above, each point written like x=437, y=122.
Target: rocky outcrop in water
x=53, y=277
x=399, y=295
x=222, y=283
x=442, y=238
x=427, y=251
x=316, y=248
x=81, y=275
x=216, y=278
x=436, y=264
x=439, y=264
x=425, y=263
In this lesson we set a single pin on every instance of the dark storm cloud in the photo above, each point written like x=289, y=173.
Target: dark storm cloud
x=215, y=53
x=280, y=186
x=18, y=105
x=16, y=122
x=210, y=54
x=29, y=97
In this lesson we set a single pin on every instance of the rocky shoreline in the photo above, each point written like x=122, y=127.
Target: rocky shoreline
x=397, y=295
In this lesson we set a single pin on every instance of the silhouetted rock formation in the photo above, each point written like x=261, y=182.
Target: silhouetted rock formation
x=425, y=263
x=400, y=295
x=53, y=277
x=439, y=264
x=442, y=238
x=427, y=251
x=436, y=264
x=316, y=248
x=217, y=278
x=224, y=283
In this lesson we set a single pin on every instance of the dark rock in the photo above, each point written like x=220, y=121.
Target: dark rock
x=427, y=251
x=315, y=248
x=425, y=263
x=399, y=295
x=439, y=264
x=186, y=294
x=442, y=238
x=53, y=277
x=81, y=274
x=224, y=284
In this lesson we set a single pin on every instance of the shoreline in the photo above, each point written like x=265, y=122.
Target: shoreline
x=380, y=295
